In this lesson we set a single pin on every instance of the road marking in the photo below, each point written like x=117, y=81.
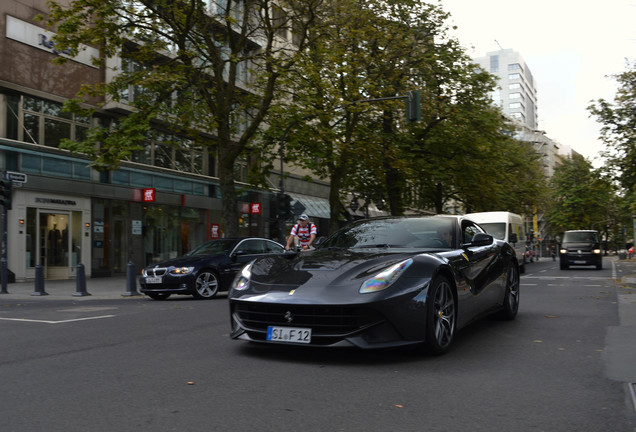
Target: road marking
x=565, y=277
x=56, y=322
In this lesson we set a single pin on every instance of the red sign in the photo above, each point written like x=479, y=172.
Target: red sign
x=149, y=195
x=215, y=231
x=255, y=208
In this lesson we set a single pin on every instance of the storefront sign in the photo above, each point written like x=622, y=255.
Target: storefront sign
x=215, y=231
x=37, y=37
x=136, y=227
x=255, y=208
x=55, y=201
x=15, y=177
x=149, y=195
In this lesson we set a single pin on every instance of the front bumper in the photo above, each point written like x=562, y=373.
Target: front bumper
x=169, y=285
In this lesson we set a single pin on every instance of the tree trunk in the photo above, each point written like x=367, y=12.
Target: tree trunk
x=229, y=201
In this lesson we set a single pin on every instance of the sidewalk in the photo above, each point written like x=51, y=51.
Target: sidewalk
x=94, y=289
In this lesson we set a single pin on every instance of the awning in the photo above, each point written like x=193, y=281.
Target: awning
x=314, y=206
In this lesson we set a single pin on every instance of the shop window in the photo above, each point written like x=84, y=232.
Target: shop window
x=31, y=236
x=164, y=183
x=31, y=163
x=81, y=171
x=121, y=177
x=182, y=186
x=58, y=167
x=140, y=179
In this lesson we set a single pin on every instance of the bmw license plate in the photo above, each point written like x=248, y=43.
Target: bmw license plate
x=153, y=280
x=289, y=334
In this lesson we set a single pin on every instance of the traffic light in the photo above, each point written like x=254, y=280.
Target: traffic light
x=413, y=106
x=6, y=190
x=284, y=206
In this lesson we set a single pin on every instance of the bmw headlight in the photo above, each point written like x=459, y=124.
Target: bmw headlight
x=242, y=279
x=181, y=270
x=385, y=278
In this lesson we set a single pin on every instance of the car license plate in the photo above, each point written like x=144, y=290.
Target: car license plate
x=153, y=280
x=578, y=262
x=289, y=334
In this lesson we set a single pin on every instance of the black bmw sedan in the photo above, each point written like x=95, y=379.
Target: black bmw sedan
x=206, y=270
x=385, y=282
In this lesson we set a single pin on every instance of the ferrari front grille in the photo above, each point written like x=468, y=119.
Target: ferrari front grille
x=324, y=320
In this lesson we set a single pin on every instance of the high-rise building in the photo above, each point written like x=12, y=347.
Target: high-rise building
x=516, y=92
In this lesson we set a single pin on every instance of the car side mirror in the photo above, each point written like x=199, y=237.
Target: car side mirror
x=479, y=239
x=513, y=238
x=238, y=253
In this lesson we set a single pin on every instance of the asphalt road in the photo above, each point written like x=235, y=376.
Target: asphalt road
x=143, y=365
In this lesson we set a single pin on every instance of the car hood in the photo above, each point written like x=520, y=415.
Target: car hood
x=322, y=268
x=184, y=261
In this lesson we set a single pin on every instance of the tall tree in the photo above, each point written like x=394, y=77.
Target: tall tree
x=207, y=69
x=618, y=131
x=581, y=197
x=343, y=109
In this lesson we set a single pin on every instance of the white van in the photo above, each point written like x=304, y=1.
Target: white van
x=504, y=226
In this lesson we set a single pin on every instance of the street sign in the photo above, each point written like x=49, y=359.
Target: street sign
x=15, y=177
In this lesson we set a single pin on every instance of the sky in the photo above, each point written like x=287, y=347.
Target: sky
x=571, y=48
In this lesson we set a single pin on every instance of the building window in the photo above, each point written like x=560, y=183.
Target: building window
x=514, y=86
x=279, y=21
x=41, y=121
x=172, y=152
x=494, y=64
x=514, y=76
x=515, y=105
x=515, y=66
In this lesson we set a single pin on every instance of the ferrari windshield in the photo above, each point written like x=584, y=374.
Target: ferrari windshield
x=424, y=232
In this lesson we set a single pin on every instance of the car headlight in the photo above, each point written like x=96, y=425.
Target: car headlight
x=181, y=270
x=385, y=278
x=563, y=251
x=242, y=279
x=597, y=251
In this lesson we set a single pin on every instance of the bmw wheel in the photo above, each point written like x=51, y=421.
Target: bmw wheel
x=441, y=316
x=206, y=285
x=511, y=297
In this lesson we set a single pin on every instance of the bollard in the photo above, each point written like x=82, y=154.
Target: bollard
x=80, y=282
x=39, y=281
x=131, y=281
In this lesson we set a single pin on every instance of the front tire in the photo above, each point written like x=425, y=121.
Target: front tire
x=158, y=296
x=511, y=297
x=441, y=316
x=206, y=285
